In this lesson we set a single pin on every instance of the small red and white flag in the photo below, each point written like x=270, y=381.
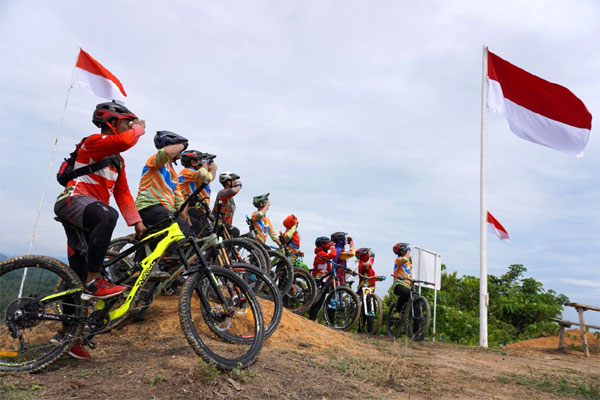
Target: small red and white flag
x=90, y=75
x=495, y=227
x=537, y=110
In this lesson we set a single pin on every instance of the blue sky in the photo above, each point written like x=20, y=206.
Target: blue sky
x=356, y=116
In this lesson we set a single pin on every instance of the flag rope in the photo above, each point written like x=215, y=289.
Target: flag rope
x=45, y=187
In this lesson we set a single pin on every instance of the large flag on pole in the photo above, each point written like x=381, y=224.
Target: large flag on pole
x=90, y=75
x=496, y=228
x=537, y=110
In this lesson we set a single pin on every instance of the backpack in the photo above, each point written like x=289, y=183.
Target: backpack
x=68, y=172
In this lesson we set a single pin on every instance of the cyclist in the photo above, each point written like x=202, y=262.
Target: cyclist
x=224, y=201
x=196, y=172
x=262, y=224
x=159, y=194
x=291, y=238
x=324, y=247
x=341, y=239
x=402, y=269
x=366, y=258
x=85, y=202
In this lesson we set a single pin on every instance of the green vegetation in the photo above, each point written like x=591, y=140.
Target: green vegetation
x=519, y=308
x=555, y=384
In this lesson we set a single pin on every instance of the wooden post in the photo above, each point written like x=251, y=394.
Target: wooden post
x=561, y=337
x=586, y=351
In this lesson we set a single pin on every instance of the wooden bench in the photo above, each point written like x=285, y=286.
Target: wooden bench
x=582, y=326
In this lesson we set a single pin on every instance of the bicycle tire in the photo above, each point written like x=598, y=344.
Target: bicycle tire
x=265, y=289
x=396, y=324
x=420, y=320
x=281, y=270
x=198, y=323
x=302, y=293
x=377, y=320
x=346, y=312
x=43, y=277
x=244, y=251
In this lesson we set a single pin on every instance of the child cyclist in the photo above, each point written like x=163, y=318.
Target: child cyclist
x=159, y=193
x=341, y=239
x=224, y=201
x=196, y=171
x=262, y=224
x=85, y=202
x=366, y=258
x=325, y=248
x=291, y=241
x=402, y=271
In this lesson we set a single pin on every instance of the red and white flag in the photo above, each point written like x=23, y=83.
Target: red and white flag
x=537, y=110
x=90, y=75
x=495, y=227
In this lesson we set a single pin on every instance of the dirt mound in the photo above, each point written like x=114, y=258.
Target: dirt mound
x=572, y=340
x=305, y=360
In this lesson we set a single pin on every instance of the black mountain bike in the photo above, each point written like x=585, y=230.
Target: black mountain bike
x=413, y=319
x=219, y=314
x=303, y=291
x=340, y=305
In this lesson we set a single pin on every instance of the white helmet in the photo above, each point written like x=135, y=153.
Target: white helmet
x=227, y=176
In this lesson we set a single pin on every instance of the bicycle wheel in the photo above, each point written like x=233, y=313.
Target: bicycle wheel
x=421, y=318
x=396, y=324
x=228, y=333
x=270, y=300
x=282, y=271
x=25, y=339
x=341, y=308
x=302, y=294
x=243, y=251
x=371, y=323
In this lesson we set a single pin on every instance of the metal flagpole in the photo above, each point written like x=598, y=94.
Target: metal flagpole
x=483, y=291
x=37, y=218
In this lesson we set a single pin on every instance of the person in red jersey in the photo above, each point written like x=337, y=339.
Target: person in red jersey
x=84, y=202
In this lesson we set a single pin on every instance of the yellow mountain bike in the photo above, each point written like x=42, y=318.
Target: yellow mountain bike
x=39, y=295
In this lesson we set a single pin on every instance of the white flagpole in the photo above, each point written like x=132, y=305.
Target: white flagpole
x=37, y=217
x=483, y=273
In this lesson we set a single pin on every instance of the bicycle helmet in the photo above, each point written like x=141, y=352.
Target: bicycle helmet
x=400, y=248
x=321, y=240
x=167, y=138
x=363, y=253
x=190, y=155
x=227, y=176
x=104, y=112
x=338, y=236
x=257, y=200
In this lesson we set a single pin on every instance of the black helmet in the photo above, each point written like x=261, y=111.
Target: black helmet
x=166, y=138
x=400, y=248
x=256, y=200
x=337, y=236
x=363, y=251
x=104, y=112
x=228, y=176
x=190, y=155
x=321, y=240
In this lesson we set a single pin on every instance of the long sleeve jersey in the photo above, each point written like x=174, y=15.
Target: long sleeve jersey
x=159, y=184
x=101, y=184
x=366, y=268
x=402, y=269
x=190, y=179
x=225, y=196
x=320, y=266
x=263, y=227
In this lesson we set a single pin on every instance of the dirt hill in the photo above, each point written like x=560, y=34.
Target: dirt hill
x=304, y=360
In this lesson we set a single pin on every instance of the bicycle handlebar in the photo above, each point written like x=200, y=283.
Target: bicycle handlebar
x=413, y=280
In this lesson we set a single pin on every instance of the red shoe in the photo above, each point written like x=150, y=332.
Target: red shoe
x=100, y=288
x=78, y=352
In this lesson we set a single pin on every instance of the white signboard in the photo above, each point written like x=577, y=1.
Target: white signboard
x=427, y=266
